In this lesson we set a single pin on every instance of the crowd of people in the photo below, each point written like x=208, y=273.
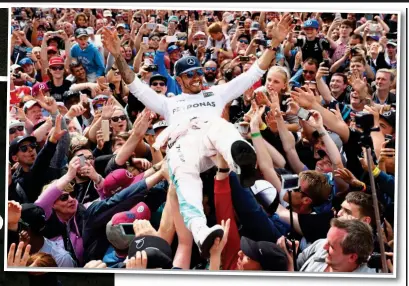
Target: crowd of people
x=214, y=140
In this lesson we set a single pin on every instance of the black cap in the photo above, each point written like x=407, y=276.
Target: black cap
x=69, y=94
x=390, y=117
x=158, y=77
x=158, y=251
x=13, y=148
x=270, y=256
x=187, y=64
x=33, y=217
x=80, y=32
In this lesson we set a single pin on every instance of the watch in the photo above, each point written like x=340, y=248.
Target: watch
x=223, y=170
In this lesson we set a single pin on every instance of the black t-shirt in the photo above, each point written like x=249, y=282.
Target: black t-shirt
x=313, y=49
x=58, y=91
x=86, y=192
x=315, y=226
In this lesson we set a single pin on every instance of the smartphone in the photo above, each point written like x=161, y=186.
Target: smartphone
x=241, y=23
x=369, y=17
x=151, y=26
x=127, y=229
x=82, y=160
x=105, y=129
x=244, y=58
x=152, y=68
x=290, y=182
x=303, y=114
x=390, y=144
x=388, y=137
x=326, y=63
x=171, y=39
x=202, y=42
x=145, y=40
x=244, y=127
x=260, y=42
x=295, y=20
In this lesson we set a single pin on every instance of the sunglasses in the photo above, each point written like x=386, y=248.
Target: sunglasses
x=150, y=54
x=298, y=190
x=15, y=129
x=244, y=41
x=59, y=68
x=64, y=197
x=24, y=148
x=158, y=83
x=191, y=74
x=309, y=72
x=116, y=118
x=211, y=69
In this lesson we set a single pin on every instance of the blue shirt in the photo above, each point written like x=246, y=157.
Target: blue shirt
x=90, y=58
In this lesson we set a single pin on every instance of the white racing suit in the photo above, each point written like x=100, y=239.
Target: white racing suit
x=195, y=132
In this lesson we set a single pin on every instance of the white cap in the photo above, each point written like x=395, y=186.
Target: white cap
x=14, y=67
x=264, y=191
x=29, y=104
x=107, y=13
x=90, y=31
x=200, y=33
x=15, y=123
x=160, y=124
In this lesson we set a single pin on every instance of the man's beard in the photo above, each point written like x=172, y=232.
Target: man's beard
x=210, y=76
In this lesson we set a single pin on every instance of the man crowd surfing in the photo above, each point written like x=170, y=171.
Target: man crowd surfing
x=212, y=140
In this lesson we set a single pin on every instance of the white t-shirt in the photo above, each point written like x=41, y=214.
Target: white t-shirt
x=60, y=255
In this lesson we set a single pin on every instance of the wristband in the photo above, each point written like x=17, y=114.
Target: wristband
x=376, y=172
x=254, y=135
x=223, y=170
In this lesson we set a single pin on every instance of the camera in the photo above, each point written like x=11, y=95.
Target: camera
x=17, y=75
x=290, y=182
x=375, y=261
x=244, y=58
x=365, y=121
x=304, y=114
x=354, y=51
x=228, y=74
x=260, y=42
x=152, y=68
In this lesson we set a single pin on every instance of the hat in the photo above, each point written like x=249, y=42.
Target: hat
x=15, y=123
x=270, y=256
x=200, y=33
x=121, y=25
x=14, y=67
x=173, y=19
x=13, y=148
x=119, y=180
x=113, y=229
x=255, y=26
x=80, y=33
x=173, y=48
x=390, y=117
x=69, y=94
x=25, y=61
x=311, y=23
x=160, y=124
x=90, y=31
x=36, y=88
x=187, y=64
x=52, y=48
x=391, y=43
x=118, y=15
x=157, y=249
x=33, y=217
x=266, y=194
x=158, y=77
x=107, y=13
x=373, y=37
x=56, y=61
x=100, y=97
x=154, y=35
x=244, y=36
x=30, y=104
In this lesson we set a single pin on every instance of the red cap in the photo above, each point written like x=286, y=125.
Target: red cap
x=56, y=61
x=118, y=180
x=140, y=211
x=36, y=88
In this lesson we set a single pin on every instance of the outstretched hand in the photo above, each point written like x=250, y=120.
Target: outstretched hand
x=111, y=42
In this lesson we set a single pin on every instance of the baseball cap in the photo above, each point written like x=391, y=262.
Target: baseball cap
x=90, y=31
x=119, y=180
x=200, y=33
x=266, y=194
x=270, y=256
x=30, y=104
x=80, y=32
x=391, y=43
x=173, y=48
x=52, y=48
x=157, y=249
x=25, y=61
x=173, y=19
x=158, y=77
x=56, y=61
x=255, y=26
x=107, y=13
x=390, y=117
x=14, y=67
x=160, y=124
x=13, y=148
x=373, y=37
x=113, y=229
x=186, y=64
x=311, y=23
x=15, y=123
x=121, y=25
x=69, y=94
x=33, y=217
x=35, y=90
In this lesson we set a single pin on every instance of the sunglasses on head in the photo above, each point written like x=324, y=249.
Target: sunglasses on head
x=211, y=69
x=191, y=74
x=64, y=197
x=116, y=118
x=15, y=129
x=244, y=41
x=59, y=68
x=158, y=83
x=309, y=72
x=24, y=148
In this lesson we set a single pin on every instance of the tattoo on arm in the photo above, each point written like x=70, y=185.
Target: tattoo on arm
x=127, y=74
